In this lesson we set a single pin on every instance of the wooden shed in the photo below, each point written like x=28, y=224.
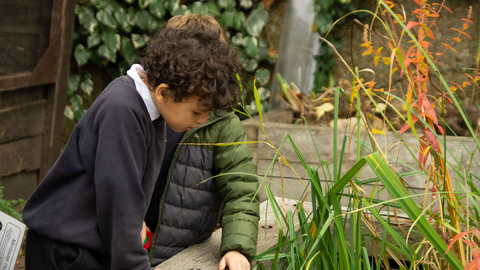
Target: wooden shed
x=35, y=48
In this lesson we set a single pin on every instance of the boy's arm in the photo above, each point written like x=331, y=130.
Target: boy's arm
x=240, y=208
x=120, y=162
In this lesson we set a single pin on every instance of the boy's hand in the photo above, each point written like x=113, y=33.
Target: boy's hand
x=235, y=261
x=143, y=233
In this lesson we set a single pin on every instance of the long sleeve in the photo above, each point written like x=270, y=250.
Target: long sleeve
x=240, y=207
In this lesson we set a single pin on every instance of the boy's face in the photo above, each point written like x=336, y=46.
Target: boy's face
x=180, y=116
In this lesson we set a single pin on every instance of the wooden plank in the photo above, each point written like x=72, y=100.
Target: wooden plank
x=206, y=255
x=20, y=155
x=20, y=97
x=22, y=121
x=19, y=185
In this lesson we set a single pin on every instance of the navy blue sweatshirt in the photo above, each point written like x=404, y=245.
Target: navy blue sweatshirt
x=97, y=193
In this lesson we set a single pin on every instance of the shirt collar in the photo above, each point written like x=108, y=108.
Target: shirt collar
x=143, y=91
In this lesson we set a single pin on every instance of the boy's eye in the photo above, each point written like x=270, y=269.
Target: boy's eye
x=196, y=113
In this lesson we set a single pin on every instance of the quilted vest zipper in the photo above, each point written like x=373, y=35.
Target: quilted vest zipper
x=174, y=161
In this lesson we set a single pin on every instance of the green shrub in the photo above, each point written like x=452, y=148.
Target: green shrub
x=11, y=207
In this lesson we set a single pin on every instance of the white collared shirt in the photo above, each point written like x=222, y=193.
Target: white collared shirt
x=143, y=91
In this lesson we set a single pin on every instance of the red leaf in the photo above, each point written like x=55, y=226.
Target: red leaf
x=423, y=155
x=411, y=24
x=455, y=240
x=433, y=140
x=406, y=126
x=476, y=256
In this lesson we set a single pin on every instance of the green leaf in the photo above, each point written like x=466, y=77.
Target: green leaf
x=238, y=20
x=157, y=9
x=123, y=66
x=104, y=51
x=143, y=4
x=73, y=81
x=199, y=8
x=87, y=20
x=263, y=94
x=92, y=41
x=106, y=19
x=87, y=87
x=251, y=46
x=111, y=39
x=262, y=75
x=181, y=10
x=325, y=4
x=68, y=113
x=99, y=4
x=256, y=21
x=131, y=16
x=228, y=5
x=142, y=18
x=155, y=25
x=77, y=107
x=324, y=21
x=122, y=20
x=129, y=1
x=250, y=65
x=139, y=41
x=238, y=40
x=263, y=53
x=79, y=9
x=227, y=19
x=246, y=4
x=172, y=5
x=127, y=50
x=81, y=55
x=213, y=9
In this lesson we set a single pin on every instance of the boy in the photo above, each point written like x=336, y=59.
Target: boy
x=87, y=213
x=173, y=215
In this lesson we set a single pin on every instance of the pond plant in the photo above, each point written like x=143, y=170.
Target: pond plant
x=447, y=216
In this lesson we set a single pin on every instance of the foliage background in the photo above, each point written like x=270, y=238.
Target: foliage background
x=112, y=35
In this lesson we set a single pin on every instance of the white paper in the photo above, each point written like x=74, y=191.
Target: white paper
x=11, y=236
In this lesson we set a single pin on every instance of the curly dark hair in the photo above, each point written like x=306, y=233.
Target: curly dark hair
x=193, y=61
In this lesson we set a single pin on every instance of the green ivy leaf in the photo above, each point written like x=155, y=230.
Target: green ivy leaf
x=252, y=108
x=99, y=4
x=68, y=113
x=73, y=81
x=123, y=66
x=227, y=19
x=81, y=55
x=127, y=50
x=199, y=8
x=250, y=65
x=87, y=20
x=262, y=75
x=228, y=5
x=143, y=4
x=251, y=46
x=87, y=87
x=213, y=9
x=171, y=5
x=106, y=19
x=79, y=9
x=325, y=4
x=129, y=1
x=157, y=9
x=155, y=25
x=142, y=18
x=131, y=16
x=238, y=20
x=238, y=40
x=324, y=21
x=122, y=20
x=92, y=41
x=139, y=41
x=263, y=53
x=256, y=21
x=111, y=39
x=246, y=4
x=104, y=51
x=181, y=10
x=263, y=94
x=77, y=107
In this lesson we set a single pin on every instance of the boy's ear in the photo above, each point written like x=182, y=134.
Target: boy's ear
x=159, y=91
